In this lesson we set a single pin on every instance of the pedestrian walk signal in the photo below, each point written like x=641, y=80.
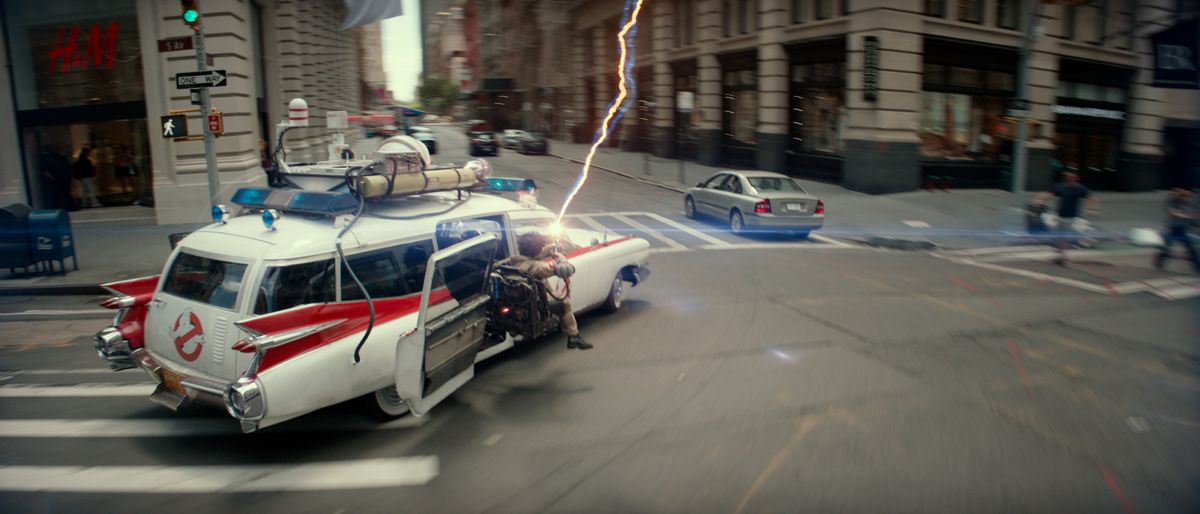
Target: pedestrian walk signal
x=174, y=126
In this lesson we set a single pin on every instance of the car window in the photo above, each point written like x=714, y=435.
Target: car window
x=734, y=185
x=542, y=226
x=284, y=287
x=784, y=184
x=205, y=280
x=390, y=273
x=716, y=180
x=450, y=233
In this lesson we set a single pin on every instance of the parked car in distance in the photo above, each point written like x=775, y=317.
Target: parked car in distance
x=756, y=201
x=483, y=143
x=424, y=135
x=533, y=143
x=510, y=138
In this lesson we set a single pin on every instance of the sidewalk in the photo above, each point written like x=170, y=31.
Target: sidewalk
x=111, y=244
x=955, y=219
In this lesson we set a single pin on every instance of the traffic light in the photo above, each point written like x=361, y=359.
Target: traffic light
x=191, y=13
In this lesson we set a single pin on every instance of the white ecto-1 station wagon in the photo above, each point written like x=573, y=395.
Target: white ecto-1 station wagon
x=368, y=281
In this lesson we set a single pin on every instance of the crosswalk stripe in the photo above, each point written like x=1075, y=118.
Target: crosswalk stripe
x=76, y=391
x=587, y=220
x=80, y=371
x=649, y=231
x=350, y=474
x=182, y=427
x=684, y=228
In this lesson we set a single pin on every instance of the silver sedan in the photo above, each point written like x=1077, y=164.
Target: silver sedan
x=754, y=201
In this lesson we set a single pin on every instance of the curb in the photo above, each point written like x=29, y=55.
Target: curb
x=54, y=290
x=646, y=181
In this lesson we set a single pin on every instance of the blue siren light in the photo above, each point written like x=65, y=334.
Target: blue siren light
x=255, y=197
x=508, y=185
x=322, y=202
x=269, y=217
x=220, y=214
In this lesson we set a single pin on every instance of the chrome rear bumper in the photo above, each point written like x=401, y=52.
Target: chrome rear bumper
x=113, y=347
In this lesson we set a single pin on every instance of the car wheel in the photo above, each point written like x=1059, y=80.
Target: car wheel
x=471, y=151
x=433, y=149
x=737, y=224
x=689, y=208
x=384, y=404
x=616, y=296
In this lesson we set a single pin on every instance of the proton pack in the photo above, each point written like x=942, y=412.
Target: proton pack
x=520, y=305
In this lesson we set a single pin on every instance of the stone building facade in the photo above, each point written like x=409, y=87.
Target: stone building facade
x=82, y=77
x=786, y=85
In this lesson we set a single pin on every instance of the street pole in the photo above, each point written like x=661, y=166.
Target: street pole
x=1029, y=25
x=210, y=146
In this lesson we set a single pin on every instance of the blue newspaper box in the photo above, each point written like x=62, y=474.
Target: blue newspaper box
x=51, y=238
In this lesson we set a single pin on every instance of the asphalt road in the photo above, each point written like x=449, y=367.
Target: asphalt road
x=745, y=376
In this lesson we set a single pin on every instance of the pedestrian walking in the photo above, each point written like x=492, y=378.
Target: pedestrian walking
x=1069, y=224
x=1181, y=215
x=57, y=170
x=124, y=168
x=85, y=173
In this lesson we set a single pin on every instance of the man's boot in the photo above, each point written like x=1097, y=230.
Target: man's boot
x=577, y=343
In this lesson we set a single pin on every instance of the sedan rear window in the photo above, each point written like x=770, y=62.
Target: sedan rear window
x=765, y=184
x=205, y=280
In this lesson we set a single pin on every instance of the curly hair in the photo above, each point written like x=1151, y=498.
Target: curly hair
x=531, y=244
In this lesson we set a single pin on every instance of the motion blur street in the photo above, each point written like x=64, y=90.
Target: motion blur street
x=599, y=256
x=749, y=375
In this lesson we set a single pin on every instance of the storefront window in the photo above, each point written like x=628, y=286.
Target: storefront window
x=741, y=106
x=961, y=126
x=817, y=108
x=687, y=115
x=935, y=7
x=1008, y=13
x=970, y=10
x=797, y=11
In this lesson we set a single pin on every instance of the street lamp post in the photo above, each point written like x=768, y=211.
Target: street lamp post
x=1028, y=25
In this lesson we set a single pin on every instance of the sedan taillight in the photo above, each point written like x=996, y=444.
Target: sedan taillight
x=763, y=207
x=820, y=207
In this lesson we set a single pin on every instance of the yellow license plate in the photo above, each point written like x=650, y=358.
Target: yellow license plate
x=173, y=381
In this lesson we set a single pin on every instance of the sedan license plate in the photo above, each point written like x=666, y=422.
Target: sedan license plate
x=795, y=207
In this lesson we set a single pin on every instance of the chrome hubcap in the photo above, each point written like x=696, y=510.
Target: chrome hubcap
x=688, y=207
x=618, y=290
x=736, y=223
x=390, y=396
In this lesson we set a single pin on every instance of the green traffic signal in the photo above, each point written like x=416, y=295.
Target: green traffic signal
x=190, y=16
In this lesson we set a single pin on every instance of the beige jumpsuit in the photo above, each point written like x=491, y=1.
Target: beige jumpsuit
x=545, y=269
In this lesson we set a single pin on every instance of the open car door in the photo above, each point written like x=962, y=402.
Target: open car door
x=438, y=357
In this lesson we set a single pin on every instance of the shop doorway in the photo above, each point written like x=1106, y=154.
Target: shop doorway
x=1094, y=156
x=118, y=150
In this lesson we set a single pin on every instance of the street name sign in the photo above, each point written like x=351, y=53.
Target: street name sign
x=175, y=44
x=199, y=79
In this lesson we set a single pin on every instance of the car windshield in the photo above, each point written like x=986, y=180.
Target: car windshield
x=775, y=184
x=205, y=280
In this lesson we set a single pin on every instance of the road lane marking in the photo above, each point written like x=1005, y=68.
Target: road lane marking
x=829, y=240
x=1029, y=274
x=183, y=427
x=648, y=231
x=319, y=476
x=79, y=371
x=686, y=229
x=587, y=220
x=59, y=312
x=75, y=391
x=493, y=439
x=916, y=223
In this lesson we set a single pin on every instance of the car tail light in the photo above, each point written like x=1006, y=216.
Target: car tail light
x=820, y=207
x=763, y=207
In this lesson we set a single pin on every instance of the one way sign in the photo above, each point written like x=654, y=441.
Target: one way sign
x=198, y=79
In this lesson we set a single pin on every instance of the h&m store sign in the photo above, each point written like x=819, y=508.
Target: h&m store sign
x=78, y=48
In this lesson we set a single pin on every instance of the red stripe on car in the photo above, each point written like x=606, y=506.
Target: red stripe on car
x=586, y=249
x=357, y=315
